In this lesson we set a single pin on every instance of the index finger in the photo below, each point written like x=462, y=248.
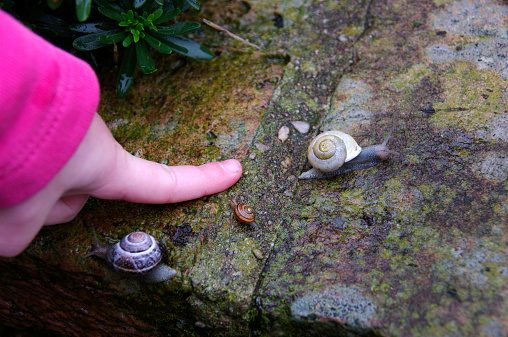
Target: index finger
x=143, y=181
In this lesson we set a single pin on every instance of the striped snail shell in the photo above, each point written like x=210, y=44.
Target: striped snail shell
x=243, y=212
x=136, y=254
x=330, y=150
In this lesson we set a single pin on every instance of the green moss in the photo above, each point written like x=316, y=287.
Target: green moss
x=472, y=97
x=413, y=77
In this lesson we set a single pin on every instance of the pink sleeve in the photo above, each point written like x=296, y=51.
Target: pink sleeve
x=47, y=101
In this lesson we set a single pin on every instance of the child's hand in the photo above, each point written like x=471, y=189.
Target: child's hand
x=102, y=168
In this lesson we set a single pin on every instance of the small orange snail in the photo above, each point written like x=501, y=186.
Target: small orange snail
x=243, y=212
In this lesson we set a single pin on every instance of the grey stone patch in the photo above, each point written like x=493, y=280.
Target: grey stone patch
x=440, y=54
x=230, y=141
x=357, y=91
x=494, y=166
x=338, y=305
x=493, y=329
x=457, y=252
x=475, y=18
x=473, y=266
x=350, y=111
x=489, y=54
x=345, y=119
x=495, y=129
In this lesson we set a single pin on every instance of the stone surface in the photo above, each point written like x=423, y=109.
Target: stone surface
x=415, y=246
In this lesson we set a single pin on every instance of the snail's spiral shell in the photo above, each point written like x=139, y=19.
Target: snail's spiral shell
x=330, y=150
x=244, y=213
x=136, y=254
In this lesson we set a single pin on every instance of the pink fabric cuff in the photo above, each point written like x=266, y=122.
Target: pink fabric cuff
x=47, y=101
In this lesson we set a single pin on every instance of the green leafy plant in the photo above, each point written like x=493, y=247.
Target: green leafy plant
x=137, y=25
x=83, y=7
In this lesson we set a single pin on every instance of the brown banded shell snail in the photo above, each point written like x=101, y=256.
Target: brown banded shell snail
x=333, y=152
x=138, y=254
x=243, y=212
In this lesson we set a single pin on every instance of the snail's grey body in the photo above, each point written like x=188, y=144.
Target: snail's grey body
x=139, y=259
x=161, y=273
x=368, y=157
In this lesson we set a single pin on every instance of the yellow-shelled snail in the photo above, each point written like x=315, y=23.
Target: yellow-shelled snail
x=333, y=152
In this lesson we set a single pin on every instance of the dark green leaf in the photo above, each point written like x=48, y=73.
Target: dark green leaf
x=185, y=46
x=150, y=6
x=157, y=14
x=166, y=16
x=126, y=74
x=127, y=41
x=54, y=4
x=93, y=27
x=52, y=26
x=139, y=3
x=6, y=4
x=83, y=9
x=88, y=42
x=179, y=28
x=117, y=16
x=182, y=5
x=113, y=38
x=92, y=41
x=193, y=3
x=135, y=35
x=145, y=61
x=111, y=5
x=158, y=45
x=125, y=4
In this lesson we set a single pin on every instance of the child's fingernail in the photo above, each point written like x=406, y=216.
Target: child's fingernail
x=231, y=165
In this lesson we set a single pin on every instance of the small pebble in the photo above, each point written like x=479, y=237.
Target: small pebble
x=258, y=254
x=286, y=162
x=343, y=38
x=300, y=126
x=283, y=133
x=200, y=325
x=261, y=147
x=252, y=155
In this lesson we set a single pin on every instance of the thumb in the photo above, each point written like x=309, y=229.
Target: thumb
x=138, y=180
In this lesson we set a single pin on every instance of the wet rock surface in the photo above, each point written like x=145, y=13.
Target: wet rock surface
x=415, y=246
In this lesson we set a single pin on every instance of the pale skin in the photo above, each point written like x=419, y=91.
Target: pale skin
x=102, y=168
